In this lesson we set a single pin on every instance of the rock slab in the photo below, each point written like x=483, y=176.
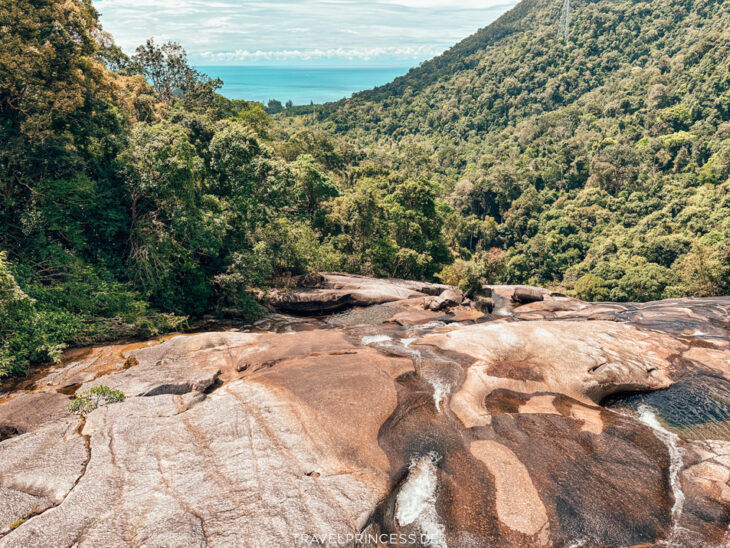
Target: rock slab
x=490, y=431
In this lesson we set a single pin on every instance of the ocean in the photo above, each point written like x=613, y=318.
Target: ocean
x=298, y=84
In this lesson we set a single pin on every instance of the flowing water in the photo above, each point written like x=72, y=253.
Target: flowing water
x=647, y=416
x=416, y=501
x=375, y=339
x=367, y=325
x=697, y=407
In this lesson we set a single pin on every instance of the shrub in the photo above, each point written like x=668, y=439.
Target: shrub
x=17, y=523
x=27, y=334
x=93, y=398
x=469, y=276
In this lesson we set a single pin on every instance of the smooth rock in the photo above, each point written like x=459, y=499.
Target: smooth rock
x=27, y=411
x=335, y=292
x=493, y=434
x=526, y=295
x=448, y=299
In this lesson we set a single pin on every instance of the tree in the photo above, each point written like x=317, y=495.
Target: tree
x=55, y=97
x=166, y=67
x=162, y=176
x=27, y=335
x=254, y=115
x=274, y=107
x=315, y=185
x=615, y=168
x=591, y=288
x=417, y=220
x=703, y=272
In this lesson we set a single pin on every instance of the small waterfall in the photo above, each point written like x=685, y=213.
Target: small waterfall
x=374, y=339
x=416, y=501
x=647, y=416
x=402, y=347
x=441, y=388
x=441, y=391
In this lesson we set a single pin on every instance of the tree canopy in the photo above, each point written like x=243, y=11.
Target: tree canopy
x=135, y=198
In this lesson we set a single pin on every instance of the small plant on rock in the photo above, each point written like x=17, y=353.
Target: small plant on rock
x=17, y=523
x=95, y=397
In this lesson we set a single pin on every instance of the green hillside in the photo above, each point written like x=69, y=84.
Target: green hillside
x=603, y=158
x=135, y=199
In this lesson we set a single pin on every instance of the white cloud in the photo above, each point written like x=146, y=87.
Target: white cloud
x=279, y=31
x=365, y=54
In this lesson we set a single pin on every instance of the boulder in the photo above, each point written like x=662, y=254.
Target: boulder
x=524, y=295
x=334, y=292
x=447, y=299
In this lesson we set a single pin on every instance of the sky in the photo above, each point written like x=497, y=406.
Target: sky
x=303, y=32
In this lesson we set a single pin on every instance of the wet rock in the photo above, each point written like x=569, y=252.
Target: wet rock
x=168, y=369
x=585, y=360
x=388, y=419
x=706, y=484
x=83, y=365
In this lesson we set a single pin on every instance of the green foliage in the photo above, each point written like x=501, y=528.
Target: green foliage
x=17, y=523
x=485, y=268
x=93, y=398
x=591, y=288
x=603, y=154
x=167, y=68
x=597, y=163
x=386, y=228
x=315, y=184
x=27, y=333
x=274, y=107
x=255, y=116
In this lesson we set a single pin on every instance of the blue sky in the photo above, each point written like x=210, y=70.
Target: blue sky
x=304, y=32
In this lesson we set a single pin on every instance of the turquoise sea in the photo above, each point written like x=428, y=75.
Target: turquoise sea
x=301, y=85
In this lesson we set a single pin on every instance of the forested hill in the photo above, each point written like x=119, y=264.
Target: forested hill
x=522, y=65
x=459, y=57
x=135, y=198
x=601, y=156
